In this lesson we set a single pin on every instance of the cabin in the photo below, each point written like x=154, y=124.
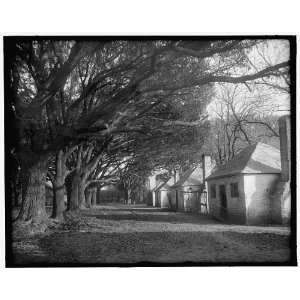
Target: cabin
x=240, y=191
x=189, y=192
x=162, y=193
x=255, y=186
x=153, y=183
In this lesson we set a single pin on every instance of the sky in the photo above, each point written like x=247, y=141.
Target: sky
x=268, y=53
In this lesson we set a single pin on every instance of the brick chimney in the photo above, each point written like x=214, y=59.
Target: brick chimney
x=284, y=124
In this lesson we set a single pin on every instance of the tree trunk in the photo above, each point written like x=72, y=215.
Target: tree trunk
x=74, y=197
x=15, y=194
x=58, y=203
x=34, y=201
x=68, y=185
x=59, y=187
x=77, y=199
x=98, y=199
x=89, y=194
x=129, y=196
x=94, y=197
x=81, y=195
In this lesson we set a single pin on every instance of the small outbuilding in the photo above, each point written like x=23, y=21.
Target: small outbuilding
x=240, y=191
x=189, y=192
x=186, y=191
x=162, y=193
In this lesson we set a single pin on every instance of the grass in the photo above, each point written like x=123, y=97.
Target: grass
x=130, y=234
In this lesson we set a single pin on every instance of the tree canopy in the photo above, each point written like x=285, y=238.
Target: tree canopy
x=97, y=105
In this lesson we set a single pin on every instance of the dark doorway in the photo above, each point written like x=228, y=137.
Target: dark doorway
x=223, y=200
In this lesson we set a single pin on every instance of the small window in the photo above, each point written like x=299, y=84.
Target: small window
x=213, y=191
x=234, y=187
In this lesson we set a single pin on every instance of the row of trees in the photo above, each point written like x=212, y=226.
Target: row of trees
x=97, y=112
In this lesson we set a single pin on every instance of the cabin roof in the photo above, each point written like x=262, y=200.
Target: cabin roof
x=258, y=158
x=192, y=176
x=165, y=184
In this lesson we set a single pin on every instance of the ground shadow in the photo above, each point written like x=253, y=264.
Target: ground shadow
x=191, y=219
x=176, y=247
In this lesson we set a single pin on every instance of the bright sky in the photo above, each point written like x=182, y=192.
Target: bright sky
x=269, y=53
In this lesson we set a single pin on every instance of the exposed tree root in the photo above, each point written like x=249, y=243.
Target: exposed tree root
x=22, y=229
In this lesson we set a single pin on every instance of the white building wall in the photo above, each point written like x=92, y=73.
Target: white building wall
x=164, y=200
x=258, y=190
x=235, y=205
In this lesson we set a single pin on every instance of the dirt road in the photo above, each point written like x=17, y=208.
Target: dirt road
x=129, y=234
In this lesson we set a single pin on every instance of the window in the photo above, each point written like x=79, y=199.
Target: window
x=213, y=191
x=234, y=187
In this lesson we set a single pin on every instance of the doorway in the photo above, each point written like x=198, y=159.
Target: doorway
x=223, y=201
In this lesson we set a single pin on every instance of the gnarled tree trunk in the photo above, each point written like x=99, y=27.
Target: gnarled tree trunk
x=74, y=197
x=34, y=201
x=85, y=166
x=81, y=195
x=58, y=187
x=88, y=198
x=91, y=197
x=94, y=197
x=129, y=195
x=77, y=199
x=58, y=203
x=68, y=185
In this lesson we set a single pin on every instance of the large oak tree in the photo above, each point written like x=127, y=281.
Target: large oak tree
x=67, y=93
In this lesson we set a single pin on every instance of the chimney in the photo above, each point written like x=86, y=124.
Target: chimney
x=206, y=166
x=284, y=124
x=176, y=175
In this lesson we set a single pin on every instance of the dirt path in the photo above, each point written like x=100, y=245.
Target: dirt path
x=129, y=234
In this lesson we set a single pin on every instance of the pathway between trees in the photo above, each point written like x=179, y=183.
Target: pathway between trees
x=127, y=234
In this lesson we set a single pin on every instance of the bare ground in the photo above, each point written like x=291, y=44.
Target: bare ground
x=129, y=234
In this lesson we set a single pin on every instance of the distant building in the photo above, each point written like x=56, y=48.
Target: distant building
x=188, y=191
x=254, y=187
x=162, y=193
x=153, y=183
x=240, y=191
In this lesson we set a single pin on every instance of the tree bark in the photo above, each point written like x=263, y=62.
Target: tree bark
x=68, y=185
x=129, y=196
x=58, y=203
x=81, y=196
x=77, y=199
x=98, y=196
x=89, y=194
x=79, y=182
x=94, y=197
x=74, y=197
x=59, y=186
x=34, y=201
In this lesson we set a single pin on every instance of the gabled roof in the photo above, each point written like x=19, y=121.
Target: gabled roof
x=158, y=186
x=165, y=184
x=192, y=176
x=259, y=158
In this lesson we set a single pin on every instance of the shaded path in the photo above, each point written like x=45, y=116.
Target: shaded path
x=128, y=234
